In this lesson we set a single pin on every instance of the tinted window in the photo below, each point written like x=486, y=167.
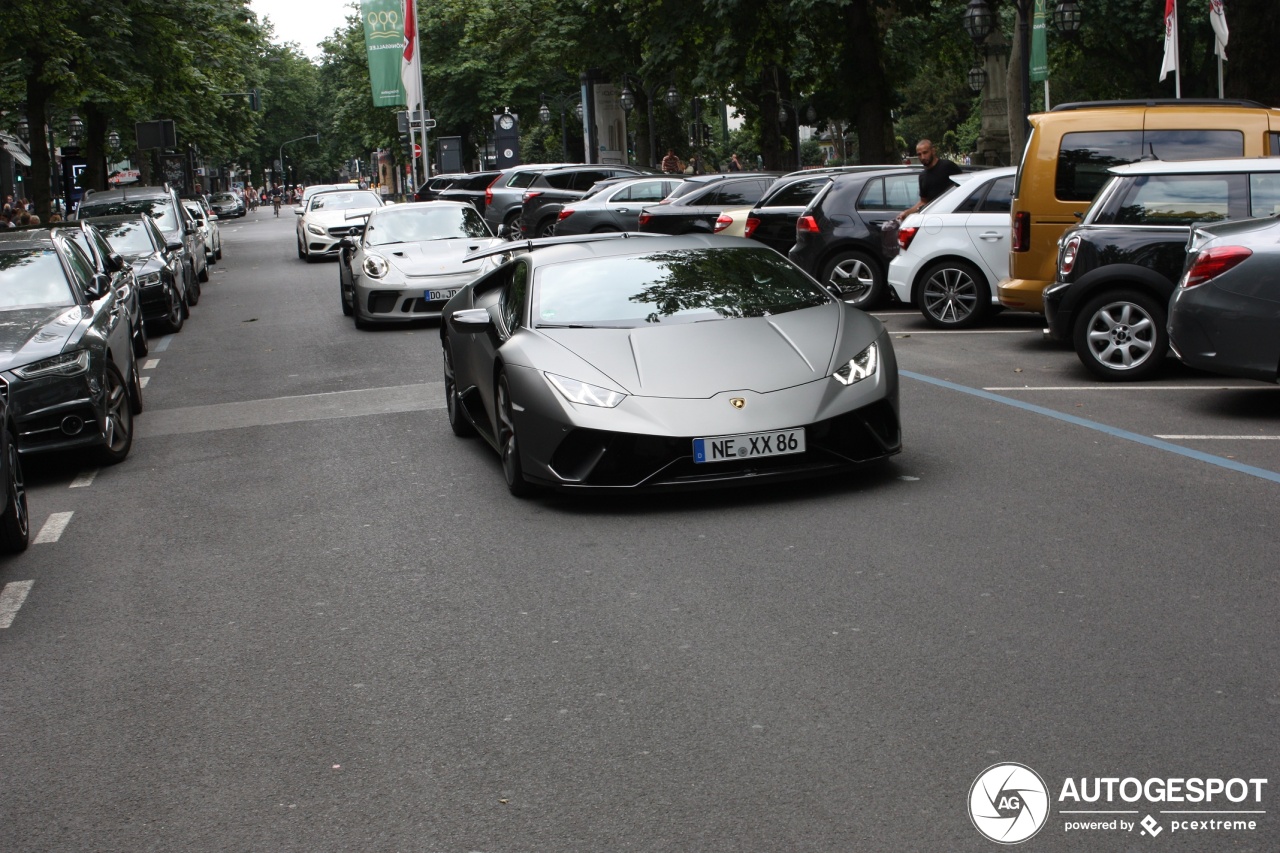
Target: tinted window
x=1264, y=195
x=665, y=288
x=999, y=198
x=480, y=182
x=795, y=194
x=897, y=192
x=1192, y=144
x=33, y=278
x=584, y=180
x=1084, y=158
x=75, y=235
x=161, y=210
x=523, y=179
x=1273, y=144
x=1176, y=200
x=970, y=204
x=513, y=299
x=647, y=191
x=556, y=180
x=129, y=238
x=735, y=194
x=81, y=266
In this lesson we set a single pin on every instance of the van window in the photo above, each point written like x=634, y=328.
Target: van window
x=1084, y=158
x=1264, y=194
x=1176, y=200
x=1273, y=144
x=1192, y=144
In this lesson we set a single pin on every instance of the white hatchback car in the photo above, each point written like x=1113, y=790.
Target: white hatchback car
x=954, y=251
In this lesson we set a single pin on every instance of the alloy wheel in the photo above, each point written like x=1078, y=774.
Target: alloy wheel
x=1121, y=335
x=949, y=296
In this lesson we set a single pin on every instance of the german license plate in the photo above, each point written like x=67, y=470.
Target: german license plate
x=437, y=295
x=752, y=445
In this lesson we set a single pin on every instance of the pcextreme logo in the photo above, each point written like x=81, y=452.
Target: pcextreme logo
x=1009, y=803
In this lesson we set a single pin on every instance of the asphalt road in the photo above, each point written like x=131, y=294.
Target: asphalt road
x=304, y=616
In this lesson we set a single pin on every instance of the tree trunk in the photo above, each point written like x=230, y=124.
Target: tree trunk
x=94, y=176
x=41, y=167
x=770, y=136
x=863, y=60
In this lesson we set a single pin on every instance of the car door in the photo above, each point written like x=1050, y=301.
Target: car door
x=624, y=206
x=989, y=227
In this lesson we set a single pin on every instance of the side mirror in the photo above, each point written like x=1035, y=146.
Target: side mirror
x=472, y=320
x=298, y=211
x=115, y=262
x=99, y=286
x=348, y=243
x=213, y=217
x=174, y=246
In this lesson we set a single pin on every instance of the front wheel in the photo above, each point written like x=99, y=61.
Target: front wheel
x=1121, y=337
x=175, y=316
x=857, y=277
x=15, y=524
x=954, y=295
x=117, y=430
x=508, y=445
x=453, y=403
x=547, y=228
x=342, y=296
x=193, y=286
x=204, y=273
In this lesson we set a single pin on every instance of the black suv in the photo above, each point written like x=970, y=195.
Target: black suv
x=840, y=238
x=773, y=220
x=547, y=194
x=1118, y=269
x=697, y=203
x=468, y=188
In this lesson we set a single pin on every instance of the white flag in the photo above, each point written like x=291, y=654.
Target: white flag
x=411, y=69
x=1218, y=17
x=1170, y=39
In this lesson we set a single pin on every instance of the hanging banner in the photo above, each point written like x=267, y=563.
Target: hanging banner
x=384, y=43
x=1039, y=53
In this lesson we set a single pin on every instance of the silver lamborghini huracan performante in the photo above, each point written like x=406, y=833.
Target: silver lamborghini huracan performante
x=624, y=361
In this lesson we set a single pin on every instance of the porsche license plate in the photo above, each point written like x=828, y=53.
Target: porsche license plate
x=438, y=295
x=723, y=448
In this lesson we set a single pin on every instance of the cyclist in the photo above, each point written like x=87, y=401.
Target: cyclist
x=277, y=196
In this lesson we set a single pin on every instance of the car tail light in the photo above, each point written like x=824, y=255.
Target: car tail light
x=1067, y=260
x=644, y=217
x=1211, y=263
x=807, y=223
x=530, y=194
x=1021, y=231
x=751, y=226
x=905, y=236
x=564, y=214
x=723, y=221
x=488, y=191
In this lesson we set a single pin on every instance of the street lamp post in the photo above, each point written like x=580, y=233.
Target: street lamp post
x=561, y=102
x=280, y=155
x=784, y=114
x=628, y=101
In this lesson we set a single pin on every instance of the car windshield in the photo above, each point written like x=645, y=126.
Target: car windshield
x=158, y=209
x=666, y=287
x=412, y=225
x=223, y=198
x=345, y=201
x=33, y=277
x=127, y=238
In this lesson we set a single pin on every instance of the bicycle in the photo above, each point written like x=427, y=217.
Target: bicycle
x=275, y=205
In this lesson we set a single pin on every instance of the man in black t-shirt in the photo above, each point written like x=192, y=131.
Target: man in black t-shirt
x=934, y=180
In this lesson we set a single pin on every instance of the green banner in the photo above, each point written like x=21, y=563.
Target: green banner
x=1039, y=54
x=384, y=43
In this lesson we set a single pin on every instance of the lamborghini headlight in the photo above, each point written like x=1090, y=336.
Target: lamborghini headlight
x=316, y=229
x=375, y=266
x=861, y=366
x=581, y=392
x=68, y=364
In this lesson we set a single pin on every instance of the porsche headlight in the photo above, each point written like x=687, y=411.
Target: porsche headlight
x=581, y=392
x=148, y=279
x=68, y=364
x=315, y=229
x=861, y=366
x=375, y=266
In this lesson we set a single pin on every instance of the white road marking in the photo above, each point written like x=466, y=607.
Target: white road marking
x=150, y=363
x=162, y=344
x=53, y=527
x=85, y=479
x=143, y=381
x=1124, y=386
x=11, y=598
x=1220, y=437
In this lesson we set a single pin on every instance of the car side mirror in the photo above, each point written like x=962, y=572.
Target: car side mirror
x=174, y=246
x=472, y=320
x=348, y=243
x=115, y=262
x=213, y=217
x=298, y=211
x=99, y=286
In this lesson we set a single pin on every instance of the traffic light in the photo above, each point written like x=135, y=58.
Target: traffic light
x=255, y=101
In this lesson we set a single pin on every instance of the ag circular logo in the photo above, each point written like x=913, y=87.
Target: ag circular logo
x=1008, y=803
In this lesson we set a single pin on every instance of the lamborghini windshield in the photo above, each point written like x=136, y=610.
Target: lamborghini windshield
x=668, y=287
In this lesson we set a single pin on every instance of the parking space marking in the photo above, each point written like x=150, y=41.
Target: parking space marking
x=150, y=363
x=53, y=527
x=1221, y=437
x=1124, y=386
x=142, y=383
x=85, y=479
x=1116, y=432
x=11, y=598
x=162, y=344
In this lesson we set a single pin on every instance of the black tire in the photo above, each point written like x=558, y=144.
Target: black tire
x=15, y=523
x=217, y=252
x=604, y=229
x=193, y=287
x=953, y=294
x=119, y=426
x=301, y=253
x=172, y=321
x=546, y=228
x=512, y=225
x=135, y=390
x=453, y=403
x=361, y=323
x=342, y=297
x=204, y=273
x=508, y=446
x=858, y=277
x=1120, y=336
x=139, y=340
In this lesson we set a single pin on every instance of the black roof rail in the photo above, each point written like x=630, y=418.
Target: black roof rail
x=544, y=242
x=1160, y=102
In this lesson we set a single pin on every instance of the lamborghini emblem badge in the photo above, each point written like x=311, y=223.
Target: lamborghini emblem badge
x=737, y=402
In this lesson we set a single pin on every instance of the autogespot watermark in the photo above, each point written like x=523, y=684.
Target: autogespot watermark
x=1009, y=803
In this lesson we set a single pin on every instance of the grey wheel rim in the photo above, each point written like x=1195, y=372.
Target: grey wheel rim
x=507, y=435
x=853, y=278
x=1121, y=335
x=119, y=416
x=950, y=295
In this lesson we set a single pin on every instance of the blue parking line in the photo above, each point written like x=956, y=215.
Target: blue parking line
x=1260, y=473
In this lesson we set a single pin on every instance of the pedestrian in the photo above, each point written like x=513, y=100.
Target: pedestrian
x=735, y=165
x=935, y=179
x=671, y=164
x=695, y=166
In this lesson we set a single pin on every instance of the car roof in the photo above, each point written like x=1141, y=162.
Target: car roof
x=1223, y=165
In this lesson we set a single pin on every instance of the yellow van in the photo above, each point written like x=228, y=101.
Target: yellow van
x=1072, y=146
